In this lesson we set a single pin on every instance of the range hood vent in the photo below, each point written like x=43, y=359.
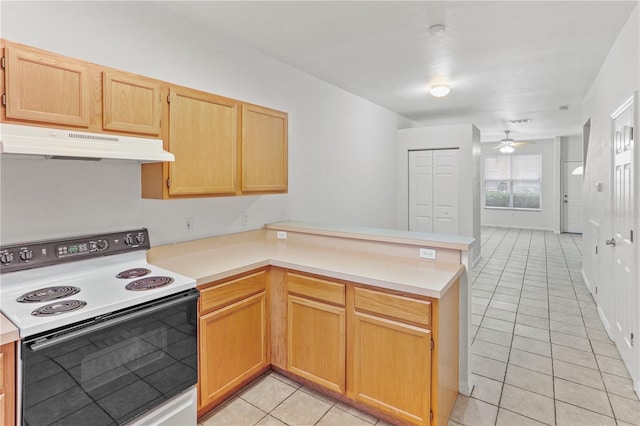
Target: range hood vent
x=71, y=144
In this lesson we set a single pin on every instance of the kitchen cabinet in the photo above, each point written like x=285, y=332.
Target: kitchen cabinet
x=45, y=88
x=7, y=383
x=264, y=150
x=222, y=147
x=203, y=135
x=233, y=336
x=316, y=322
x=131, y=103
x=392, y=331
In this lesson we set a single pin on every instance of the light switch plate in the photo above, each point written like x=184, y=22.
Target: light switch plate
x=426, y=253
x=281, y=235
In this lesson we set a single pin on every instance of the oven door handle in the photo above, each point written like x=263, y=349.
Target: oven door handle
x=106, y=321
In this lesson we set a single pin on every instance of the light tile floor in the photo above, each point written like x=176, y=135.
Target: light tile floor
x=540, y=354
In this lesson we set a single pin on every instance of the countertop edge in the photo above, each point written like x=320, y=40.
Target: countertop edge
x=8, y=332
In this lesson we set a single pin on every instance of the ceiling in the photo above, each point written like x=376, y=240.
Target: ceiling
x=504, y=60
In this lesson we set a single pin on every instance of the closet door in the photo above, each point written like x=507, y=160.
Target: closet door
x=421, y=191
x=446, y=190
x=434, y=204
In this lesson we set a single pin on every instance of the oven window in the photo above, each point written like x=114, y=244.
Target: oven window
x=112, y=375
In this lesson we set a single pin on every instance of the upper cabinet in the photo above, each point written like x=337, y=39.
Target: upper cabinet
x=131, y=103
x=45, y=87
x=203, y=135
x=222, y=146
x=264, y=149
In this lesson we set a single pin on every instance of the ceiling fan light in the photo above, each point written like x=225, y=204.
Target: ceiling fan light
x=506, y=149
x=440, y=90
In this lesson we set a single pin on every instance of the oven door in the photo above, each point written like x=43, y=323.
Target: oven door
x=113, y=368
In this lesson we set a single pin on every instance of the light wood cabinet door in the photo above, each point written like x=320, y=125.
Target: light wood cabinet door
x=233, y=346
x=316, y=342
x=203, y=136
x=392, y=367
x=7, y=384
x=46, y=88
x=264, y=149
x=131, y=103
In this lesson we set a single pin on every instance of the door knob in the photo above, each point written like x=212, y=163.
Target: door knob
x=611, y=242
x=566, y=202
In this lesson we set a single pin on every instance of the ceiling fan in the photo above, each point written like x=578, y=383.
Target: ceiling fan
x=507, y=145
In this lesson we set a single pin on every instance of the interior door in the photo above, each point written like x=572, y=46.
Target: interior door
x=622, y=243
x=421, y=191
x=572, y=197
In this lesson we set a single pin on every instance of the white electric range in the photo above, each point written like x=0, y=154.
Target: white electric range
x=106, y=338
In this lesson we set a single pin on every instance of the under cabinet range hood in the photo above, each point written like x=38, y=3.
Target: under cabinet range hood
x=71, y=144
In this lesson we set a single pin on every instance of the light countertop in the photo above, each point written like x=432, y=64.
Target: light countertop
x=208, y=260
x=8, y=331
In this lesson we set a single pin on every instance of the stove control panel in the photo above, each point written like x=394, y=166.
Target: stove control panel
x=35, y=254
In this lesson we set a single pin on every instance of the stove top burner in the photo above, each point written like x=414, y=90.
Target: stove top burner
x=47, y=294
x=148, y=283
x=58, y=308
x=133, y=273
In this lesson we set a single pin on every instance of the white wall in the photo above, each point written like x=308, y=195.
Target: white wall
x=340, y=146
x=571, y=148
x=546, y=217
x=465, y=137
x=617, y=80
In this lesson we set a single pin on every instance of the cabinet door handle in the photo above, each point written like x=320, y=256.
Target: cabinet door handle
x=611, y=242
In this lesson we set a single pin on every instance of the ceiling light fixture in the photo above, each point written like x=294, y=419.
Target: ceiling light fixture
x=506, y=149
x=436, y=30
x=440, y=90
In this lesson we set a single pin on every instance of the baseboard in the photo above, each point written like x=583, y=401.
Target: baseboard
x=532, y=228
x=475, y=262
x=465, y=388
x=586, y=281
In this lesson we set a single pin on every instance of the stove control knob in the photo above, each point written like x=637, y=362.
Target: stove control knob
x=102, y=245
x=26, y=255
x=140, y=238
x=128, y=240
x=6, y=258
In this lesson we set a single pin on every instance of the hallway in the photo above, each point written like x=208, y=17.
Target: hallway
x=540, y=352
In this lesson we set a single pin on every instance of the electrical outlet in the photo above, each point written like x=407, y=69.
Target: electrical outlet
x=282, y=235
x=188, y=224
x=426, y=253
x=245, y=218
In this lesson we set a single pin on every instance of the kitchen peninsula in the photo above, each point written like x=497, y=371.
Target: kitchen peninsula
x=354, y=312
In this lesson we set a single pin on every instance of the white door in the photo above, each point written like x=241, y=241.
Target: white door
x=421, y=191
x=572, y=197
x=625, y=288
x=433, y=191
x=446, y=192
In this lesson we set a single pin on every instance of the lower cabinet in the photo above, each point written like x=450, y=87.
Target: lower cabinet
x=395, y=353
x=7, y=384
x=392, y=367
x=233, y=343
x=316, y=321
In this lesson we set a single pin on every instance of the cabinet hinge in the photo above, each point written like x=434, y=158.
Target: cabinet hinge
x=168, y=182
x=4, y=99
x=168, y=99
x=431, y=344
x=3, y=62
x=430, y=414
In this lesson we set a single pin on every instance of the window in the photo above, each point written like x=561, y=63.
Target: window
x=512, y=181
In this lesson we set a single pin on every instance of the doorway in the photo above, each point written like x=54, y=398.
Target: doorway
x=572, y=197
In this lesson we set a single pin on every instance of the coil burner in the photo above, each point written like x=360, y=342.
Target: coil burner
x=133, y=273
x=47, y=294
x=58, y=308
x=148, y=283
